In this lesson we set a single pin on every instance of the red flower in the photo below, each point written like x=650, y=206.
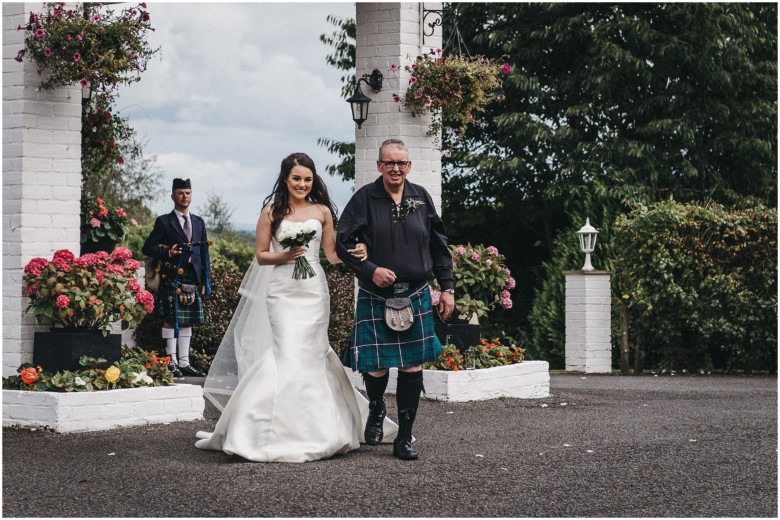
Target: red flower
x=29, y=375
x=62, y=302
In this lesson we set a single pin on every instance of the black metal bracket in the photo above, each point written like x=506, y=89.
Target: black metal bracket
x=430, y=28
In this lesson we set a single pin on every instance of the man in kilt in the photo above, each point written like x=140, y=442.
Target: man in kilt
x=406, y=244
x=179, y=241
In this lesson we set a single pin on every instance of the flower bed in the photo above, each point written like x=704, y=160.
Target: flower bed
x=66, y=412
x=526, y=380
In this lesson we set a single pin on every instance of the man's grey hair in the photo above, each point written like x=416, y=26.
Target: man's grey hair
x=395, y=142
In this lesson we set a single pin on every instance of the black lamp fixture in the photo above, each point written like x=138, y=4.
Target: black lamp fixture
x=359, y=102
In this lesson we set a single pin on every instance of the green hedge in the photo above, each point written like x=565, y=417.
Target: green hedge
x=700, y=284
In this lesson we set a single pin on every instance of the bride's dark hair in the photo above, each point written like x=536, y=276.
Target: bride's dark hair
x=280, y=195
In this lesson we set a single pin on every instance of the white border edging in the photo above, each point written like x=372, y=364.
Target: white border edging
x=526, y=380
x=66, y=412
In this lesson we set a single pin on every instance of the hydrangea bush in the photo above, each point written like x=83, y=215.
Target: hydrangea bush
x=482, y=280
x=90, y=291
x=99, y=219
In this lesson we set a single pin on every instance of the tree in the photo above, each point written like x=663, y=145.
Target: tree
x=342, y=41
x=217, y=214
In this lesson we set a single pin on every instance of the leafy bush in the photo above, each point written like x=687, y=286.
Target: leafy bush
x=700, y=284
x=240, y=254
x=341, y=284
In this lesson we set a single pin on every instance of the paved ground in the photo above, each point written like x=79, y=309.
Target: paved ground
x=603, y=446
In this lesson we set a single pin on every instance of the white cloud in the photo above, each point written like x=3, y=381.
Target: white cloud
x=237, y=88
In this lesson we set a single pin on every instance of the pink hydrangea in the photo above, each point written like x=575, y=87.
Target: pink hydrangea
x=132, y=264
x=460, y=250
x=146, y=299
x=102, y=256
x=121, y=253
x=488, y=262
x=134, y=285
x=507, y=271
x=35, y=266
x=510, y=283
x=492, y=251
x=31, y=289
x=506, y=303
x=133, y=221
x=115, y=269
x=94, y=222
x=100, y=275
x=476, y=256
x=61, y=264
x=505, y=295
x=64, y=254
x=86, y=260
x=120, y=212
x=62, y=302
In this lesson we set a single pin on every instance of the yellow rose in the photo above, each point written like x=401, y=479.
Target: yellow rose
x=112, y=374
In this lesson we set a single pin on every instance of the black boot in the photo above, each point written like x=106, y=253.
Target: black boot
x=402, y=445
x=375, y=388
x=410, y=384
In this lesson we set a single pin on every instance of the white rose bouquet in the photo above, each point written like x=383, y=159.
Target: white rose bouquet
x=298, y=234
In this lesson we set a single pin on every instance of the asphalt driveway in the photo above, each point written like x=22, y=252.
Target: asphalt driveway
x=600, y=446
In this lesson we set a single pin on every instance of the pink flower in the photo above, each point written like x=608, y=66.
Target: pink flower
x=419, y=94
x=492, y=251
x=39, y=33
x=505, y=294
x=94, y=222
x=393, y=67
x=103, y=211
x=145, y=17
x=96, y=17
x=121, y=160
x=506, y=303
x=76, y=57
x=510, y=283
x=507, y=271
x=102, y=256
x=47, y=52
x=100, y=275
x=69, y=37
x=476, y=256
x=488, y=262
x=412, y=80
x=396, y=98
x=121, y=253
x=120, y=212
x=435, y=295
x=143, y=4
x=35, y=266
x=460, y=250
x=79, y=37
x=427, y=101
x=115, y=269
x=64, y=254
x=132, y=264
x=62, y=302
x=61, y=264
x=133, y=221
x=134, y=285
x=146, y=299
x=407, y=68
x=84, y=83
x=86, y=260
x=506, y=68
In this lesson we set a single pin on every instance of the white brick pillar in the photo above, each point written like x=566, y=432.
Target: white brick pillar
x=41, y=179
x=391, y=33
x=588, y=315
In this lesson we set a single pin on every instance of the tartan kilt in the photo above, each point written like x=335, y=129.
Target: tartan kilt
x=374, y=346
x=188, y=315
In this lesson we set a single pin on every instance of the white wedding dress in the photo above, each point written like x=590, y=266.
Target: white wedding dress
x=282, y=390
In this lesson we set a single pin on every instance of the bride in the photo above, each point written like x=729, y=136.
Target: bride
x=282, y=390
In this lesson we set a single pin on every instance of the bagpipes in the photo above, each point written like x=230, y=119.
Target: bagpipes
x=171, y=274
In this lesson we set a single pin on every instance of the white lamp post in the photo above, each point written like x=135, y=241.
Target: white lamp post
x=587, y=234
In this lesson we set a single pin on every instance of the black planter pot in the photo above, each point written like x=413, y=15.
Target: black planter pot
x=60, y=349
x=104, y=244
x=457, y=332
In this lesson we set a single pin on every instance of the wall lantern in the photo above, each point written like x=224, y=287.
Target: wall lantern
x=359, y=102
x=587, y=234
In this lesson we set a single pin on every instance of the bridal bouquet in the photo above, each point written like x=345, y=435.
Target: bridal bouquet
x=298, y=234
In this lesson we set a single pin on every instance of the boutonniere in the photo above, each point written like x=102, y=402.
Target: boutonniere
x=411, y=205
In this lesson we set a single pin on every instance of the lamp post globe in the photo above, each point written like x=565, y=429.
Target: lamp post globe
x=587, y=235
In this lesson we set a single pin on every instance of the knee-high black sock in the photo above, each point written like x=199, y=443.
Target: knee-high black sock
x=410, y=384
x=375, y=386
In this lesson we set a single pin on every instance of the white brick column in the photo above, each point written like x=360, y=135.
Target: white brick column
x=588, y=315
x=41, y=179
x=391, y=33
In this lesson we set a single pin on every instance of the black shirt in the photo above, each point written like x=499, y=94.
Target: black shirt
x=410, y=242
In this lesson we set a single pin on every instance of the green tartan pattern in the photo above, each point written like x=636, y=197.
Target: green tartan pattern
x=189, y=315
x=374, y=345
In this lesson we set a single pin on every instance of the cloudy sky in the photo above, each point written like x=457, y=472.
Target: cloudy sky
x=236, y=88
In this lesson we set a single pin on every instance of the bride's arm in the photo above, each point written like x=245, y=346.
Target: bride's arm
x=329, y=241
x=263, y=243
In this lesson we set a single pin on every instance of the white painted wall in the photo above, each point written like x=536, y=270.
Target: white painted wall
x=41, y=179
x=588, y=314
x=390, y=33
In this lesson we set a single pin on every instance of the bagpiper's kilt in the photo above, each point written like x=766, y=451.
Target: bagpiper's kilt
x=166, y=298
x=374, y=346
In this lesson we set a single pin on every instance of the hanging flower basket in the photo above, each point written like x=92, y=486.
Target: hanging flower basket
x=451, y=88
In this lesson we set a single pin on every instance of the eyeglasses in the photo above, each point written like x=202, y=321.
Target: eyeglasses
x=392, y=164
